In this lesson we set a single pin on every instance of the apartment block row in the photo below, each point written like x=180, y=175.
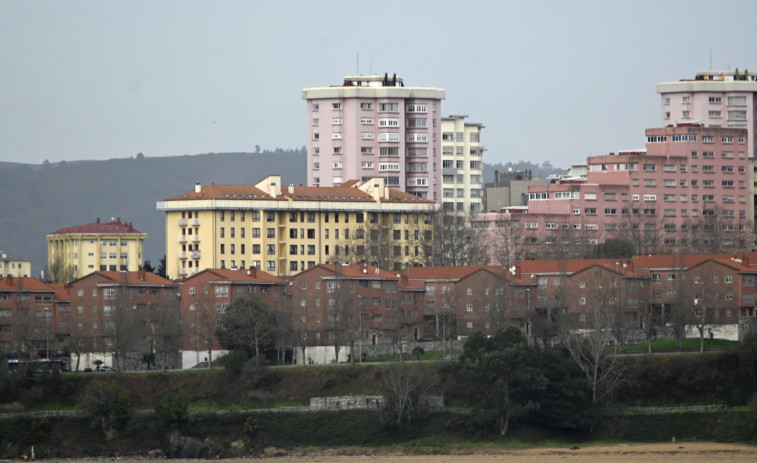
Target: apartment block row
x=690, y=189
x=332, y=308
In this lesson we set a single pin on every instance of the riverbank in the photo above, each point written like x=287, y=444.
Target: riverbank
x=619, y=453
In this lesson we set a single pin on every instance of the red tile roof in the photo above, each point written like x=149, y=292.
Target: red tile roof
x=346, y=192
x=132, y=278
x=98, y=227
x=11, y=283
x=441, y=273
x=239, y=275
x=358, y=271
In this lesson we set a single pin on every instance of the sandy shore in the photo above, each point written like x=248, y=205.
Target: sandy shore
x=627, y=453
x=646, y=453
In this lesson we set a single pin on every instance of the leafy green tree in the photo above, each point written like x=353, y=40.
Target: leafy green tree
x=107, y=404
x=566, y=401
x=161, y=271
x=249, y=324
x=501, y=376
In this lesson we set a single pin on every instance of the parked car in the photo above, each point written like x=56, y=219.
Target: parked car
x=106, y=369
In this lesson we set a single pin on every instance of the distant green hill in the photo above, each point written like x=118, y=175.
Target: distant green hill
x=40, y=199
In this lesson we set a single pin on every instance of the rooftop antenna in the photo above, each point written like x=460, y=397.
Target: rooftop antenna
x=710, y=59
x=357, y=63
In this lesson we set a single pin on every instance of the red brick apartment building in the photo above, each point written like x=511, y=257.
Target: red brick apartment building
x=206, y=295
x=27, y=317
x=350, y=305
x=129, y=313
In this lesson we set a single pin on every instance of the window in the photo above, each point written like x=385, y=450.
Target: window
x=417, y=137
x=389, y=122
x=415, y=122
x=389, y=136
x=736, y=101
x=366, y=136
x=388, y=107
x=416, y=108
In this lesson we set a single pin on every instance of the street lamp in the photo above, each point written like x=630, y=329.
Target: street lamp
x=528, y=312
x=47, y=333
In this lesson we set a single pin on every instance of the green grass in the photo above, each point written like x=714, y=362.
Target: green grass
x=431, y=355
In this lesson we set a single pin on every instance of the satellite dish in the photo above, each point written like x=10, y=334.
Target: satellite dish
x=512, y=270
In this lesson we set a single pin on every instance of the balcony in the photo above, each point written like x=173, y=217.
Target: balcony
x=195, y=238
x=182, y=238
x=182, y=222
x=195, y=222
x=182, y=272
x=181, y=255
x=195, y=254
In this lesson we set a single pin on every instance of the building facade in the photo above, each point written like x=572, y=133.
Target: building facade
x=374, y=126
x=462, y=165
x=14, y=266
x=27, y=317
x=715, y=99
x=688, y=190
x=109, y=314
x=287, y=230
x=338, y=308
x=101, y=246
x=205, y=297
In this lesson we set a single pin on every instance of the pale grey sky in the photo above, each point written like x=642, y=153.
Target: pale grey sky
x=551, y=80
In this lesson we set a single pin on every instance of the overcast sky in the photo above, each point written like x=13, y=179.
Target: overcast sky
x=551, y=80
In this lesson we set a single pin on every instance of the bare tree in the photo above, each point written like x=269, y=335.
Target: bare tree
x=504, y=242
x=405, y=389
x=587, y=347
x=455, y=242
x=249, y=324
x=119, y=322
x=203, y=326
x=59, y=272
x=167, y=331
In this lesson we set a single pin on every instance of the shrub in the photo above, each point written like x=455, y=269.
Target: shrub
x=171, y=409
x=107, y=404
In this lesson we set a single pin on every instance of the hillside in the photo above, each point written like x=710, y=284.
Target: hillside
x=37, y=200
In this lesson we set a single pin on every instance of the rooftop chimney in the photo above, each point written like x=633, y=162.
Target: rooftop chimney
x=198, y=187
x=291, y=188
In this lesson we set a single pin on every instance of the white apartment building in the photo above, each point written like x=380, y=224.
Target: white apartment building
x=462, y=165
x=374, y=126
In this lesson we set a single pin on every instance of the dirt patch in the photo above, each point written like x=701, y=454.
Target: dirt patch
x=621, y=453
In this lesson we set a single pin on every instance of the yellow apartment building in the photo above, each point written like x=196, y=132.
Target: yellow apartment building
x=287, y=230
x=14, y=266
x=101, y=246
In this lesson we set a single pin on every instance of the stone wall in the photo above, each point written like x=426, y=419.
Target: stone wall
x=369, y=402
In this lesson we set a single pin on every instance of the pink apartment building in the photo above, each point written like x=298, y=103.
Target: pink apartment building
x=687, y=190
x=714, y=98
x=374, y=126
